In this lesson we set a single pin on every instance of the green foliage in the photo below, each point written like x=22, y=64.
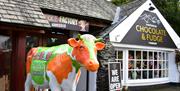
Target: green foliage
x=170, y=9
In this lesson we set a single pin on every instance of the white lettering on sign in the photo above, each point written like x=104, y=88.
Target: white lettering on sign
x=61, y=19
x=114, y=72
x=68, y=20
x=58, y=25
x=115, y=79
x=115, y=86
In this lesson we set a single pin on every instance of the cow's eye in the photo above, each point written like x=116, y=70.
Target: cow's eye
x=81, y=47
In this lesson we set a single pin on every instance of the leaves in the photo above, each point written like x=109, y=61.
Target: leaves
x=170, y=9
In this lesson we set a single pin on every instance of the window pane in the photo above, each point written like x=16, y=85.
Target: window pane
x=138, y=74
x=138, y=54
x=155, y=55
x=138, y=64
x=159, y=56
x=150, y=64
x=131, y=54
x=144, y=55
x=144, y=74
x=131, y=64
x=130, y=74
x=120, y=56
x=156, y=73
x=150, y=73
x=144, y=64
x=150, y=55
x=163, y=56
x=155, y=65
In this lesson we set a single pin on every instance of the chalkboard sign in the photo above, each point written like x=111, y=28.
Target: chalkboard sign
x=114, y=76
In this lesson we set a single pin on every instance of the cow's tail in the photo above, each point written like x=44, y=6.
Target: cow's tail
x=30, y=55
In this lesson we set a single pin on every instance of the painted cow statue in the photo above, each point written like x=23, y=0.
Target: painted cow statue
x=57, y=67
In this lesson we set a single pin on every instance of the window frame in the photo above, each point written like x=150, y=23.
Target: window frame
x=148, y=81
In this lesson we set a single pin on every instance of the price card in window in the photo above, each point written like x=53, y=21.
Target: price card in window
x=114, y=76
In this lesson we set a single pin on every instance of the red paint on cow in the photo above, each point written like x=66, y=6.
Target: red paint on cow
x=29, y=59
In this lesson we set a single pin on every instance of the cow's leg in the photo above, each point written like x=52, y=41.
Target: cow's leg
x=28, y=82
x=53, y=83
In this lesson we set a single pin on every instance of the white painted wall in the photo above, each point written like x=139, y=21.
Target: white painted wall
x=174, y=75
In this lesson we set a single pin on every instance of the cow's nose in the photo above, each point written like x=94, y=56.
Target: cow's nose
x=93, y=66
x=90, y=63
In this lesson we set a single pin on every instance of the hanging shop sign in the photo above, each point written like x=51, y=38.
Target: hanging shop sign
x=148, y=30
x=67, y=23
x=114, y=76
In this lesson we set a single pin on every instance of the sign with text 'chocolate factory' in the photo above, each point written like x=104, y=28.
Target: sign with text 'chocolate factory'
x=148, y=30
x=67, y=23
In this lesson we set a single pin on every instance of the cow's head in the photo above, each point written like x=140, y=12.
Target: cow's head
x=85, y=51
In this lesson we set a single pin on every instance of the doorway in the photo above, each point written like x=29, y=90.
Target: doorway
x=5, y=61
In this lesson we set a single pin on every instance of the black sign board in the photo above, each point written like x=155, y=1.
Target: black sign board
x=148, y=30
x=114, y=76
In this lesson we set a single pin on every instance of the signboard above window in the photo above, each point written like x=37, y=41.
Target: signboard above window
x=148, y=30
x=67, y=23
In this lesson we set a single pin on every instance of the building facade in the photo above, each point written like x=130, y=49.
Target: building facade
x=145, y=44
x=30, y=23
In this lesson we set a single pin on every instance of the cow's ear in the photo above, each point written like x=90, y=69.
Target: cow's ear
x=72, y=42
x=100, y=45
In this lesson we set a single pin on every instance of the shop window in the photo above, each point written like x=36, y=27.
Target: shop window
x=119, y=58
x=147, y=64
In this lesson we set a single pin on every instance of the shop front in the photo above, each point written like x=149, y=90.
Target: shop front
x=25, y=24
x=145, y=44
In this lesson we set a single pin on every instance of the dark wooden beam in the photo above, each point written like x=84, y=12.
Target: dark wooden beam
x=18, y=61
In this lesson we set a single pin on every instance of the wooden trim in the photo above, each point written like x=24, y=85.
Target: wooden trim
x=19, y=28
x=18, y=61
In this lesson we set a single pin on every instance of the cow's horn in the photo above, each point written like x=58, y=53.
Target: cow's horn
x=99, y=40
x=79, y=37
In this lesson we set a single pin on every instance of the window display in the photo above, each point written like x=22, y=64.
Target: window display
x=147, y=65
